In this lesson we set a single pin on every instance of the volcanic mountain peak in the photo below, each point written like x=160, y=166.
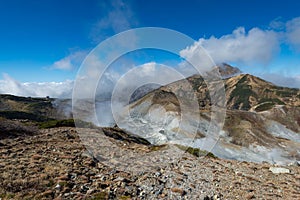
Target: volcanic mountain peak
x=243, y=92
x=262, y=119
x=227, y=70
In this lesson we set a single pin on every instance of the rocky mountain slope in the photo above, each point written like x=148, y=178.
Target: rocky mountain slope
x=224, y=69
x=247, y=92
x=243, y=92
x=261, y=124
x=28, y=108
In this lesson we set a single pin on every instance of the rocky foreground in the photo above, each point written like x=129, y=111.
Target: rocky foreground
x=54, y=164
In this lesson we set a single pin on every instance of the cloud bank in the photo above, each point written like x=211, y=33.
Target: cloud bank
x=9, y=85
x=253, y=46
x=250, y=47
x=53, y=89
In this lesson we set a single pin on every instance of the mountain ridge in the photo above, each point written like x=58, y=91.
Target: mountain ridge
x=261, y=118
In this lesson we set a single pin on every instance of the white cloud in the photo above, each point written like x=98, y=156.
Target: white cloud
x=119, y=17
x=53, y=89
x=255, y=48
x=277, y=24
x=64, y=64
x=71, y=61
x=282, y=80
x=240, y=46
x=293, y=33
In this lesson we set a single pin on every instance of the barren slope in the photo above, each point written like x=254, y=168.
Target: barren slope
x=55, y=164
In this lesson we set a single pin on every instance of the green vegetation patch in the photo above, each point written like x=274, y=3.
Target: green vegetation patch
x=22, y=115
x=157, y=147
x=7, y=196
x=39, y=106
x=100, y=196
x=274, y=100
x=264, y=106
x=65, y=123
x=196, y=83
x=120, y=134
x=286, y=92
x=242, y=93
x=196, y=151
x=57, y=123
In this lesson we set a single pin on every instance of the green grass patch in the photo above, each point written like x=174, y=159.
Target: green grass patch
x=65, y=123
x=124, y=197
x=196, y=83
x=264, y=107
x=272, y=100
x=7, y=196
x=100, y=196
x=286, y=92
x=242, y=94
x=157, y=147
x=22, y=115
x=39, y=106
x=57, y=123
x=196, y=151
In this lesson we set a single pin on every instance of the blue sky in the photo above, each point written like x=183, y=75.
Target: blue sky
x=45, y=41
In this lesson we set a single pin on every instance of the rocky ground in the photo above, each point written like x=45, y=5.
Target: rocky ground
x=54, y=164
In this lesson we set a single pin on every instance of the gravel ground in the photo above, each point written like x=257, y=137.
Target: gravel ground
x=54, y=164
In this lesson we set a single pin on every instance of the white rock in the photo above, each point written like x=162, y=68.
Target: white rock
x=58, y=187
x=279, y=170
x=296, y=163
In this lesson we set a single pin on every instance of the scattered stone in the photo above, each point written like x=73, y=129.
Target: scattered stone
x=83, y=189
x=119, y=179
x=239, y=173
x=178, y=190
x=58, y=187
x=279, y=170
x=217, y=197
x=36, y=157
x=35, y=169
x=250, y=196
x=296, y=163
x=47, y=193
